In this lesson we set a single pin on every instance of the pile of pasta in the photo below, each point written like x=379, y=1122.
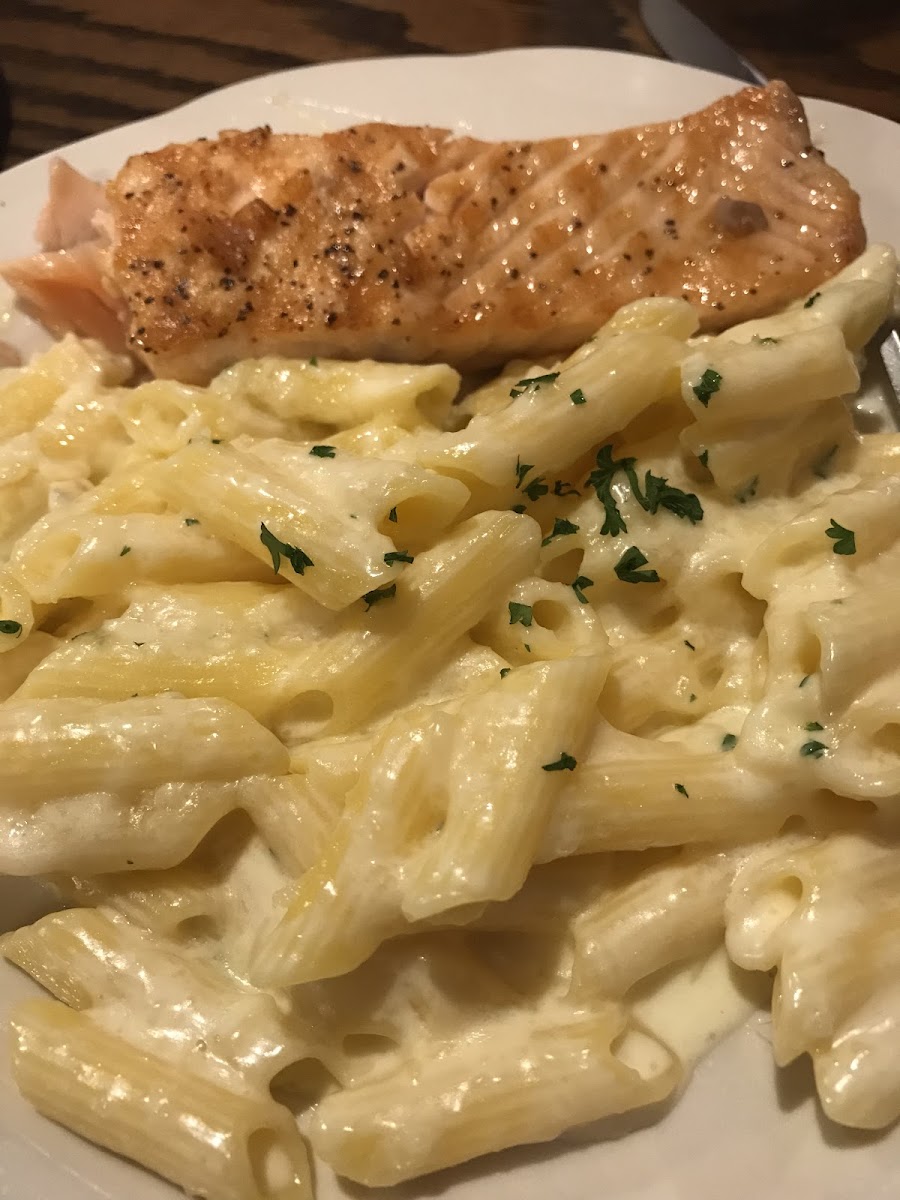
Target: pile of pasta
x=379, y=746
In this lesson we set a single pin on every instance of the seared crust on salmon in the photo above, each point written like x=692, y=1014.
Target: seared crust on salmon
x=411, y=244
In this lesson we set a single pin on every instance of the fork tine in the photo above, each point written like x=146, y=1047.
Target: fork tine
x=889, y=348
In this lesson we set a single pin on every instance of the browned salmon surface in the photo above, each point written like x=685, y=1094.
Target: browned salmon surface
x=411, y=244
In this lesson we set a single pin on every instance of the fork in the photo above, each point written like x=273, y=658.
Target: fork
x=683, y=37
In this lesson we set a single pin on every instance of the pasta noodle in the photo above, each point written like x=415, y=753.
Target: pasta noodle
x=390, y=753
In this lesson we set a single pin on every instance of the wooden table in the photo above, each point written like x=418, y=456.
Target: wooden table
x=76, y=67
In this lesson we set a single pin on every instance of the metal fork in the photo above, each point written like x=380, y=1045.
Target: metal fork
x=683, y=37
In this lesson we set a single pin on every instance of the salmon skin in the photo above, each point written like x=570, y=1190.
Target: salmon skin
x=410, y=244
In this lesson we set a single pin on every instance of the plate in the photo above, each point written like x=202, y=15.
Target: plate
x=742, y=1128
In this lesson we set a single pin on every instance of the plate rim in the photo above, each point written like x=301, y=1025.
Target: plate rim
x=268, y=81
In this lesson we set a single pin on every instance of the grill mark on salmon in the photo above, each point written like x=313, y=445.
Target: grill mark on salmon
x=410, y=244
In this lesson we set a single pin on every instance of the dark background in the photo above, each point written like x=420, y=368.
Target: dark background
x=76, y=67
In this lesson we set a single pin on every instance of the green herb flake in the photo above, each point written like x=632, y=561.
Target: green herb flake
x=601, y=480
x=534, y=383
x=844, y=539
x=295, y=556
x=679, y=787
x=522, y=470
x=313, y=362
x=398, y=556
x=125, y=550
x=729, y=741
x=392, y=515
x=504, y=671
x=703, y=458
x=811, y=301
x=578, y=396
x=565, y=762
x=216, y=441
x=766, y=341
x=578, y=587
x=710, y=382
x=813, y=727
x=527, y=647
x=813, y=749
x=191, y=521
x=748, y=491
x=322, y=451
x=379, y=594
x=520, y=614
x=562, y=488
x=518, y=508
x=690, y=645
x=804, y=681
x=821, y=468
x=627, y=568
x=691, y=698
x=13, y=628
x=536, y=488
x=561, y=528
x=657, y=493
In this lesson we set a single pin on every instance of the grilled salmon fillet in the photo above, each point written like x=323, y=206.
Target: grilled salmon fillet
x=412, y=244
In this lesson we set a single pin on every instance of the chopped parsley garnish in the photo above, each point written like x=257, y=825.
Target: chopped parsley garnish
x=392, y=515
x=729, y=741
x=536, y=488
x=601, y=480
x=519, y=508
x=822, y=466
x=520, y=614
x=565, y=762
x=216, y=441
x=125, y=550
x=813, y=727
x=322, y=451
x=766, y=341
x=703, y=458
x=658, y=493
x=562, y=488
x=692, y=697
x=11, y=627
x=578, y=396
x=813, y=749
x=811, y=301
x=748, y=491
x=313, y=362
x=379, y=594
x=804, y=681
x=561, y=527
x=191, y=521
x=295, y=556
x=710, y=382
x=679, y=787
x=690, y=645
x=504, y=671
x=522, y=470
x=844, y=539
x=527, y=647
x=578, y=588
x=627, y=568
x=534, y=382
x=397, y=556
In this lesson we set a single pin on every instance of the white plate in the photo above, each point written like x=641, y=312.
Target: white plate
x=743, y=1129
